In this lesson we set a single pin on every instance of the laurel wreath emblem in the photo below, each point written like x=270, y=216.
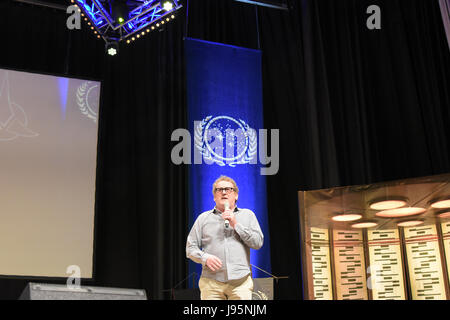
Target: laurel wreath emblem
x=82, y=101
x=201, y=143
x=259, y=296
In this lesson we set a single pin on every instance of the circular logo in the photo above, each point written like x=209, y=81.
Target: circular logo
x=225, y=139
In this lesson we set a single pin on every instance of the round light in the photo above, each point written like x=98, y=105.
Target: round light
x=128, y=41
x=441, y=204
x=346, y=217
x=387, y=204
x=400, y=212
x=157, y=24
x=411, y=223
x=167, y=19
x=173, y=17
x=138, y=36
x=443, y=215
x=362, y=225
x=162, y=22
x=168, y=5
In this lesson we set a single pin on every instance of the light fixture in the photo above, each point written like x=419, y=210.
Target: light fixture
x=443, y=214
x=112, y=48
x=120, y=11
x=410, y=223
x=440, y=203
x=347, y=217
x=400, y=212
x=167, y=5
x=387, y=203
x=363, y=225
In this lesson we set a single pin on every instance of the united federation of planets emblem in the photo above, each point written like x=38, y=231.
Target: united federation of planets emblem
x=87, y=99
x=225, y=141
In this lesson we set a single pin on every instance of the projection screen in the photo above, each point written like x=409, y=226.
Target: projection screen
x=48, y=159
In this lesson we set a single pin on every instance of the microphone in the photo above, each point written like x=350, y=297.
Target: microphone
x=227, y=207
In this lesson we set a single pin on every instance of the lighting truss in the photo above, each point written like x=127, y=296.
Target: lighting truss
x=144, y=15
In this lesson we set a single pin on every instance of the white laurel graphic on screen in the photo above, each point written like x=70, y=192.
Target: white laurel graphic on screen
x=211, y=134
x=13, y=119
x=87, y=100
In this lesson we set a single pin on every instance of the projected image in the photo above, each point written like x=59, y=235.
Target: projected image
x=48, y=148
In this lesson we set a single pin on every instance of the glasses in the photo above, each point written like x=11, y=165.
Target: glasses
x=221, y=190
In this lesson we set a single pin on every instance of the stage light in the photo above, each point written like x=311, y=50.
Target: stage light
x=400, y=212
x=387, y=203
x=120, y=11
x=439, y=204
x=410, y=223
x=363, y=225
x=347, y=217
x=167, y=5
x=112, y=48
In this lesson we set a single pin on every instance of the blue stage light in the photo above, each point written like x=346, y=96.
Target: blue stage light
x=114, y=26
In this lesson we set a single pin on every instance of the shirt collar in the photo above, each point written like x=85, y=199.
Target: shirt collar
x=215, y=210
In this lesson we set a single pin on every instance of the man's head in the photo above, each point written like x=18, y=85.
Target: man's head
x=224, y=190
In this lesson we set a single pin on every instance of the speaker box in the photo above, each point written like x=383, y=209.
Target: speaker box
x=42, y=291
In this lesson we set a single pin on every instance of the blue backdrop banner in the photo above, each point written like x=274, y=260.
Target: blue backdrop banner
x=225, y=114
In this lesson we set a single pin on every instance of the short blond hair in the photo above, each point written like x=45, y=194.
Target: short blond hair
x=225, y=178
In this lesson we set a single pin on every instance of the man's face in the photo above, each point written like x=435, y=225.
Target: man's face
x=220, y=197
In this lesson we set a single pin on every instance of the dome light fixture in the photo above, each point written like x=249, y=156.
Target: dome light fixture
x=363, y=225
x=410, y=223
x=347, y=217
x=440, y=203
x=443, y=214
x=387, y=203
x=400, y=212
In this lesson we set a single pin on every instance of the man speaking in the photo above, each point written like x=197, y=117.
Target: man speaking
x=220, y=240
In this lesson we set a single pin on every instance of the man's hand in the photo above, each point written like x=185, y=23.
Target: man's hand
x=229, y=215
x=213, y=263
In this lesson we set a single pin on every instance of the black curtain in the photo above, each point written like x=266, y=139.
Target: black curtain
x=353, y=106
